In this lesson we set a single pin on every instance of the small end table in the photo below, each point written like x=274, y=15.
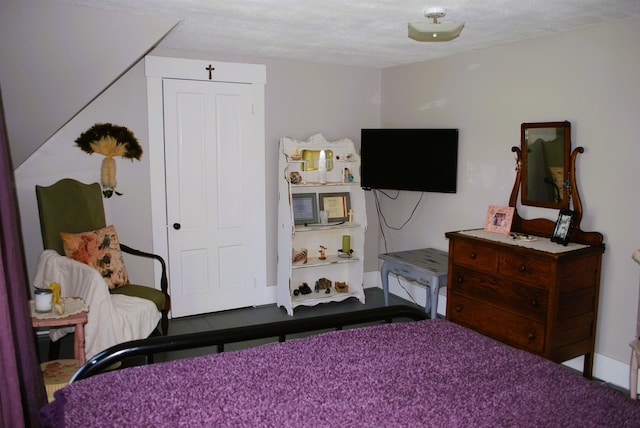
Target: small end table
x=75, y=315
x=426, y=266
x=57, y=373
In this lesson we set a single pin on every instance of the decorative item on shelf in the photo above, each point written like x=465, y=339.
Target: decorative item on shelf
x=346, y=250
x=296, y=155
x=344, y=157
x=338, y=205
x=348, y=177
x=323, y=252
x=345, y=254
x=324, y=217
x=323, y=284
x=342, y=287
x=304, y=208
x=109, y=140
x=322, y=167
x=299, y=256
x=499, y=219
x=303, y=289
x=346, y=243
x=350, y=214
x=295, y=177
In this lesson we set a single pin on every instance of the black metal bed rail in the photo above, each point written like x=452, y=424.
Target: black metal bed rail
x=153, y=345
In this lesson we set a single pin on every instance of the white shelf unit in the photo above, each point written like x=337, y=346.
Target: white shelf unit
x=336, y=266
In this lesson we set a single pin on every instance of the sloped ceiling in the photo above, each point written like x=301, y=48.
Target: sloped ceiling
x=55, y=58
x=58, y=55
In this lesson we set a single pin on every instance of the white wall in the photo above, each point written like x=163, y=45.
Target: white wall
x=589, y=77
x=124, y=104
x=301, y=100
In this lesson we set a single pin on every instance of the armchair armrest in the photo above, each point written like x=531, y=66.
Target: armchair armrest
x=163, y=278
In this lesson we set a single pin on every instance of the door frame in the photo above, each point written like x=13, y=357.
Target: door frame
x=158, y=68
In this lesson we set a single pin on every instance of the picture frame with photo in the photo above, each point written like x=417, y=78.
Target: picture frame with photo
x=305, y=208
x=338, y=205
x=564, y=226
x=499, y=219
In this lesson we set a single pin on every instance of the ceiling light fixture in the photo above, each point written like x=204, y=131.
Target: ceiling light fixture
x=435, y=31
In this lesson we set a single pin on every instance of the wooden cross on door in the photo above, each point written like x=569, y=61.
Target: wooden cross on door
x=210, y=70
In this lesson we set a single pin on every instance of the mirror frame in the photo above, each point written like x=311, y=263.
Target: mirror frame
x=543, y=226
x=525, y=130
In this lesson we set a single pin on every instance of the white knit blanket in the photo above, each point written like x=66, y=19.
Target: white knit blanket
x=112, y=319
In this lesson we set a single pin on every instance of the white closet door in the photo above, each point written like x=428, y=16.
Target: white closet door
x=214, y=154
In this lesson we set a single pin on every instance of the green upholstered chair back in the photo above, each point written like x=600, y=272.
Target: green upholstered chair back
x=68, y=206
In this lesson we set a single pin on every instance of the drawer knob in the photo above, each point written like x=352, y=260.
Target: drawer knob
x=534, y=303
x=473, y=255
x=460, y=280
x=531, y=336
x=523, y=268
x=458, y=308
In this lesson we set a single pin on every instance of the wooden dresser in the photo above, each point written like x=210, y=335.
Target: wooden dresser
x=538, y=296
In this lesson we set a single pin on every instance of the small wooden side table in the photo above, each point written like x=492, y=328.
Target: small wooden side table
x=57, y=373
x=77, y=316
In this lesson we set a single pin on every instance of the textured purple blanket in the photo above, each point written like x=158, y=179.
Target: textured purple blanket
x=427, y=373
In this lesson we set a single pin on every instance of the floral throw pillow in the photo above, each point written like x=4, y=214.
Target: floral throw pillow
x=99, y=249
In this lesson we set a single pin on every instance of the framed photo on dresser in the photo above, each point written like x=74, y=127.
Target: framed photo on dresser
x=564, y=225
x=499, y=219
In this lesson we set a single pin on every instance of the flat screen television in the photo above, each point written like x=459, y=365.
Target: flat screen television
x=423, y=160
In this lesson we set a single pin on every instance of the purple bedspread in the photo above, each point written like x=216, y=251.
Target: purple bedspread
x=427, y=373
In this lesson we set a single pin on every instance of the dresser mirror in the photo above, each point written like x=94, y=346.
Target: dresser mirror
x=564, y=188
x=545, y=148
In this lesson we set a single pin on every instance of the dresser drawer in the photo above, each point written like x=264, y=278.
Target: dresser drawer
x=501, y=325
x=522, y=299
x=474, y=255
x=539, y=271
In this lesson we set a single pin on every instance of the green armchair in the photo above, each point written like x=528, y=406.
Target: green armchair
x=74, y=207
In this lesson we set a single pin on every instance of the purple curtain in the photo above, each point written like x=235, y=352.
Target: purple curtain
x=22, y=391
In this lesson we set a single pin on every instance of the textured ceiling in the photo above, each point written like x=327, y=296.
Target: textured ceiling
x=367, y=33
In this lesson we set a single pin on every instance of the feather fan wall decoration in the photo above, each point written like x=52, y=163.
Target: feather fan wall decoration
x=109, y=140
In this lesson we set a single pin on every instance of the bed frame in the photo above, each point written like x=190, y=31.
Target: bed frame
x=418, y=373
x=280, y=329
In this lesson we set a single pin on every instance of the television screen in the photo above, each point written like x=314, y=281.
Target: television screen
x=424, y=160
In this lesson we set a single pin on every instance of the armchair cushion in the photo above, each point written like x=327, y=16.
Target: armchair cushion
x=99, y=249
x=144, y=292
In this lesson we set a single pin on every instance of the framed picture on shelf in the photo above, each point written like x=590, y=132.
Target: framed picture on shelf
x=305, y=208
x=338, y=205
x=499, y=219
x=564, y=224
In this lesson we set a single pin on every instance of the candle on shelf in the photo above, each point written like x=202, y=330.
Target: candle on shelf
x=346, y=243
x=322, y=167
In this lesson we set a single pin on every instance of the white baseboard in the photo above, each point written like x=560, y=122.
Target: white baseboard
x=605, y=368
